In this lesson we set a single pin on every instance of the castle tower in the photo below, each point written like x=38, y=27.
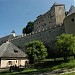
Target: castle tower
x=54, y=16
x=59, y=13
x=69, y=21
x=13, y=33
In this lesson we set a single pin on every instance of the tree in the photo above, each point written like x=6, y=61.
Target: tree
x=29, y=28
x=36, y=51
x=65, y=44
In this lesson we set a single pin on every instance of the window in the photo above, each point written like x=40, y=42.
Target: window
x=15, y=51
x=49, y=31
x=16, y=61
x=42, y=20
x=44, y=24
x=72, y=19
x=10, y=62
x=51, y=16
x=48, y=16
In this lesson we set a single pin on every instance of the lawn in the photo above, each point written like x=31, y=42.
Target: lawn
x=69, y=74
x=45, y=66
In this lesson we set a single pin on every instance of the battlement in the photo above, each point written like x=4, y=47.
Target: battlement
x=33, y=33
x=50, y=20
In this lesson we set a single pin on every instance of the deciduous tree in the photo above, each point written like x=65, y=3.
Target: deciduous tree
x=36, y=51
x=66, y=45
x=29, y=28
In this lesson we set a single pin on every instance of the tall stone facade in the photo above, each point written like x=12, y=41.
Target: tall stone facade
x=54, y=16
x=46, y=28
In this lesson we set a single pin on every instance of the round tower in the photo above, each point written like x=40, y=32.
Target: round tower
x=69, y=21
x=13, y=33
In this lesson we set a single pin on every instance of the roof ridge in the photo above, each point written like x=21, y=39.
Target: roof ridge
x=71, y=10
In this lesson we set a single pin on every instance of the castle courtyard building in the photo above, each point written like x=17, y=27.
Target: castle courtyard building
x=10, y=55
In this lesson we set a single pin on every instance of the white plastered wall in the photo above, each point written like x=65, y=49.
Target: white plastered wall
x=5, y=64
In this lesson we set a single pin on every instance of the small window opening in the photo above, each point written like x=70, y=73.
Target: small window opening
x=72, y=19
x=42, y=20
x=16, y=61
x=49, y=31
x=15, y=51
x=10, y=62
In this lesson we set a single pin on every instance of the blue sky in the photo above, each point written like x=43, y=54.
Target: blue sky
x=15, y=14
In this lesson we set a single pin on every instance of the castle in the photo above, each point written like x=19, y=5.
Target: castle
x=47, y=27
x=53, y=17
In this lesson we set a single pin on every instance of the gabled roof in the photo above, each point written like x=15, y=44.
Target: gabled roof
x=72, y=10
x=10, y=50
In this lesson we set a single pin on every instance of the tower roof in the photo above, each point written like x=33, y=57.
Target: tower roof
x=13, y=31
x=72, y=10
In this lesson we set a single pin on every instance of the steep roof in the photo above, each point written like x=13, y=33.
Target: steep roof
x=13, y=31
x=10, y=50
x=72, y=10
x=5, y=38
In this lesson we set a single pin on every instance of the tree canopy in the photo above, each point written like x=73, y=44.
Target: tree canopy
x=66, y=44
x=29, y=28
x=36, y=51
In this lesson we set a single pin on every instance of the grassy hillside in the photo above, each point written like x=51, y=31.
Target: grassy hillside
x=45, y=66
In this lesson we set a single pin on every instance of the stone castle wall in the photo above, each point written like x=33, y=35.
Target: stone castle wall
x=47, y=36
x=46, y=28
x=54, y=16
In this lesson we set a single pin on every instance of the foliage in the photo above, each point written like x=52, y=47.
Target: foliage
x=36, y=51
x=65, y=44
x=69, y=73
x=29, y=28
x=68, y=65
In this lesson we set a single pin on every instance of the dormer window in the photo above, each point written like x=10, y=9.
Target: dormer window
x=15, y=51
